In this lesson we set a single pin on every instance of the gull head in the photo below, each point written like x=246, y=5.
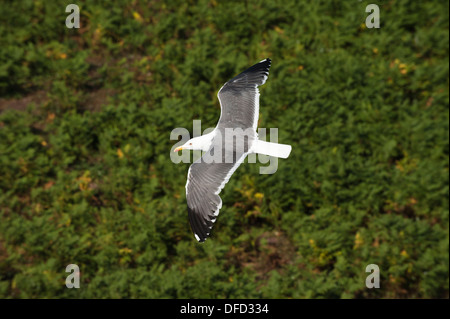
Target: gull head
x=202, y=143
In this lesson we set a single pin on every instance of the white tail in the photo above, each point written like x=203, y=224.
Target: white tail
x=271, y=149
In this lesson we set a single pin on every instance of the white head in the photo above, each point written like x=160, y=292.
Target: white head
x=197, y=143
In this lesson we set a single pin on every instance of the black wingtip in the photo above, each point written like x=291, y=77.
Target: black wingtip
x=200, y=240
x=201, y=231
x=266, y=63
x=255, y=75
x=262, y=65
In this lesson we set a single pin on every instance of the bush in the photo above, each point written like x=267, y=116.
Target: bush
x=86, y=177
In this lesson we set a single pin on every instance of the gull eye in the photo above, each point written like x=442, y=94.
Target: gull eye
x=190, y=143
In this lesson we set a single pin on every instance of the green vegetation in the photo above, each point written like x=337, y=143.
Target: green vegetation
x=85, y=170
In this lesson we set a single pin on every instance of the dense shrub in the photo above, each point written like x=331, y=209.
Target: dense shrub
x=86, y=177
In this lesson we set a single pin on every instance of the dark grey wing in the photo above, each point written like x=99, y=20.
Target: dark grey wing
x=239, y=97
x=204, y=182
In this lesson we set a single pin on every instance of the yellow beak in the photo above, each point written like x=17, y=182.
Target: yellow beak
x=178, y=149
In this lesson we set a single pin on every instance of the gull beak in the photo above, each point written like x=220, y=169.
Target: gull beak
x=178, y=149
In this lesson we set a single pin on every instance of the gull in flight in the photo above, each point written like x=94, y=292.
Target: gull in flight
x=226, y=147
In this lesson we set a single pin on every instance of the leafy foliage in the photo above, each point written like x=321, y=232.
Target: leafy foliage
x=85, y=170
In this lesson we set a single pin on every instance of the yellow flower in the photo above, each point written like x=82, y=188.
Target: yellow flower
x=137, y=16
x=125, y=251
x=259, y=195
x=84, y=181
x=279, y=30
x=358, y=241
x=119, y=153
x=403, y=68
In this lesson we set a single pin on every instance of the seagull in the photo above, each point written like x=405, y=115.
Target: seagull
x=239, y=102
